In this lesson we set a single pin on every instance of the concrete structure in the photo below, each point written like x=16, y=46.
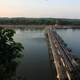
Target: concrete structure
x=65, y=64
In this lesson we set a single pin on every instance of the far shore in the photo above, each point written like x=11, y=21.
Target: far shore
x=41, y=26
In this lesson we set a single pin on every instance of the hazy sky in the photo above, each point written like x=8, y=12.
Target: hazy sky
x=40, y=8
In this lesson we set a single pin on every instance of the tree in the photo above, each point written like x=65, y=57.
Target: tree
x=10, y=52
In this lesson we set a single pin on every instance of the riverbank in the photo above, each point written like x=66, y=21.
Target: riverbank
x=40, y=27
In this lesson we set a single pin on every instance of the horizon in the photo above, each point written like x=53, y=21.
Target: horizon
x=40, y=9
x=39, y=18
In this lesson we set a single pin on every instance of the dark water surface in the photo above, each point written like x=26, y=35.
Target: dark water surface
x=35, y=63
x=72, y=38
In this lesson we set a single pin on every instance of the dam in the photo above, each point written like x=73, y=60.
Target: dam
x=65, y=63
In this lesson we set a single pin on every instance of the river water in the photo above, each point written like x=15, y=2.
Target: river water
x=35, y=64
x=72, y=38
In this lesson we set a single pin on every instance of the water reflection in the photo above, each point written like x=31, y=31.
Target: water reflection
x=35, y=64
x=7, y=71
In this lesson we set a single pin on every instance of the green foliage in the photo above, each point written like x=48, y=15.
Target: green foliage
x=38, y=21
x=10, y=51
x=26, y=21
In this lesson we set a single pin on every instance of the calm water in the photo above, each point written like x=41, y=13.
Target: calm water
x=35, y=63
x=72, y=38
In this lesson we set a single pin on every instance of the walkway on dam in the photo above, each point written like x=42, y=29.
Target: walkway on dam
x=65, y=63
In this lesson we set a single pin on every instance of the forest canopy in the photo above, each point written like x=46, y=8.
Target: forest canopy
x=38, y=21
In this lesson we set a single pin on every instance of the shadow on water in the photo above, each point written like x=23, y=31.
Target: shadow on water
x=7, y=71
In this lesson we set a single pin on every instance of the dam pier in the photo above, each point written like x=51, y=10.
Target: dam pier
x=65, y=64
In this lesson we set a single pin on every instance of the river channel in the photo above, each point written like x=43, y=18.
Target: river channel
x=35, y=64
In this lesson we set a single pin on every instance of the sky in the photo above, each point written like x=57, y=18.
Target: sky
x=40, y=8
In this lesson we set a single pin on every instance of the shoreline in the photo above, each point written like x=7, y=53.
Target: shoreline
x=41, y=26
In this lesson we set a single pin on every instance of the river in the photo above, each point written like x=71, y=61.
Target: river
x=35, y=64
x=72, y=38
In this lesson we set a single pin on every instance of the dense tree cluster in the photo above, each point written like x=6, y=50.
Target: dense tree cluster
x=38, y=21
x=10, y=53
x=26, y=21
x=69, y=21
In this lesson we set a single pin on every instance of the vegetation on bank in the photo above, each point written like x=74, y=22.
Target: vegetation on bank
x=10, y=54
x=38, y=21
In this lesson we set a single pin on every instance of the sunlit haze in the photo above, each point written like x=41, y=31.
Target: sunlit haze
x=40, y=8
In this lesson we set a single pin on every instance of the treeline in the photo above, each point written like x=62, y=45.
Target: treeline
x=38, y=21
x=69, y=21
x=27, y=21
